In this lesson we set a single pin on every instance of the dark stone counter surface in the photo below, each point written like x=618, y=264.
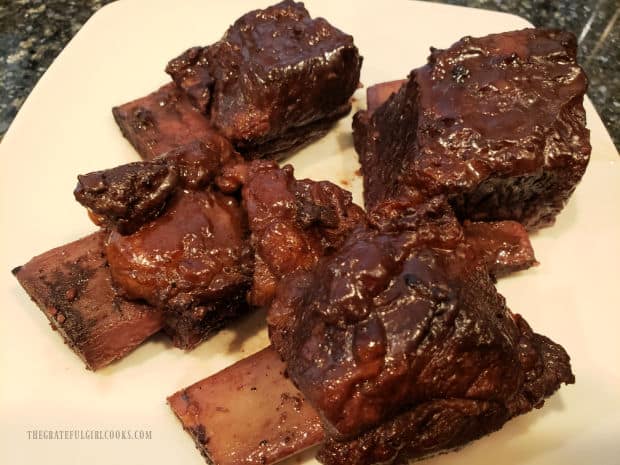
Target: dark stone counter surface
x=33, y=32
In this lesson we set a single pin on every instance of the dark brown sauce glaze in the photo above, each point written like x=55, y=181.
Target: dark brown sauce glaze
x=274, y=72
x=495, y=123
x=388, y=335
x=182, y=241
x=130, y=195
x=194, y=261
x=443, y=424
x=503, y=247
x=508, y=88
x=196, y=250
x=292, y=222
x=375, y=289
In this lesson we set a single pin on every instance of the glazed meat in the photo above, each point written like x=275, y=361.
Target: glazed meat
x=166, y=120
x=442, y=425
x=380, y=245
x=292, y=222
x=72, y=286
x=180, y=240
x=194, y=261
x=406, y=349
x=276, y=80
x=175, y=240
x=130, y=195
x=503, y=247
x=494, y=123
x=127, y=196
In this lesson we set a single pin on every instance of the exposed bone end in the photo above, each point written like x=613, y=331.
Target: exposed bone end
x=249, y=413
x=72, y=286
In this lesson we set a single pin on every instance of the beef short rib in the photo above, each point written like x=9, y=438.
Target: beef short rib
x=275, y=80
x=494, y=123
x=406, y=349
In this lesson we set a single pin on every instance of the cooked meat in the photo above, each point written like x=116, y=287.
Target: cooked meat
x=406, y=349
x=126, y=197
x=274, y=78
x=294, y=139
x=494, y=123
x=307, y=227
x=502, y=246
x=180, y=244
x=214, y=412
x=72, y=286
x=165, y=120
x=194, y=260
x=431, y=221
x=292, y=222
x=445, y=424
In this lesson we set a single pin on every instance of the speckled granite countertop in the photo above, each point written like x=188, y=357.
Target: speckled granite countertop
x=33, y=32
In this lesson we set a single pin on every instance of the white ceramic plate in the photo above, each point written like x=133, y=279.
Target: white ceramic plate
x=65, y=127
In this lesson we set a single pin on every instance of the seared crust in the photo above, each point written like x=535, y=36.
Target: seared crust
x=194, y=261
x=127, y=196
x=295, y=138
x=494, y=123
x=293, y=223
x=276, y=78
x=405, y=348
x=442, y=425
